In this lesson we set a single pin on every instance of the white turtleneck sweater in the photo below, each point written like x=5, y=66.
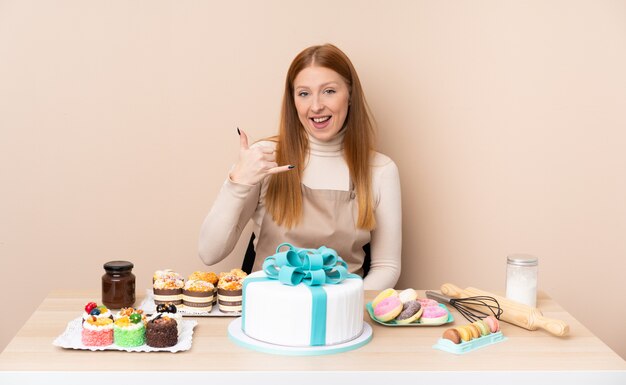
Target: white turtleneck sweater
x=326, y=169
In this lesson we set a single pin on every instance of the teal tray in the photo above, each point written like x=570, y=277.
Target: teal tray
x=370, y=310
x=468, y=346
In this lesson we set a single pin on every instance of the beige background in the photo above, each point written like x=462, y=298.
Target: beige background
x=506, y=119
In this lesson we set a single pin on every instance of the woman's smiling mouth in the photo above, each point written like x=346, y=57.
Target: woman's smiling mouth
x=321, y=121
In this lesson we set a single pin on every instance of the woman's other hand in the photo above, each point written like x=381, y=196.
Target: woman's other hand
x=255, y=163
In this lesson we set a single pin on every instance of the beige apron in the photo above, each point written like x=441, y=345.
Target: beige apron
x=329, y=219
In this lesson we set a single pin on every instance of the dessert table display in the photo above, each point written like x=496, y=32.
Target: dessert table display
x=394, y=354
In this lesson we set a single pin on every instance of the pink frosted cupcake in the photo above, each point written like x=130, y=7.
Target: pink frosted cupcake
x=97, y=331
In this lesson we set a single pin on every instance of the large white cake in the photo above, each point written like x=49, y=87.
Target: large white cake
x=284, y=315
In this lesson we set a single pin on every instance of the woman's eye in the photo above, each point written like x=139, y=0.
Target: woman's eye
x=329, y=91
x=303, y=93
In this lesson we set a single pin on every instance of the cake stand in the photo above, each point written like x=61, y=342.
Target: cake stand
x=240, y=338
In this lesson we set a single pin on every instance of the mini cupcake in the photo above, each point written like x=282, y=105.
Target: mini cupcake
x=167, y=274
x=168, y=287
x=161, y=331
x=129, y=330
x=198, y=295
x=208, y=277
x=171, y=311
x=229, y=293
x=97, y=331
x=92, y=309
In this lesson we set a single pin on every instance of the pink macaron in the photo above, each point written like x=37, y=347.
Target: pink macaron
x=388, y=309
x=493, y=323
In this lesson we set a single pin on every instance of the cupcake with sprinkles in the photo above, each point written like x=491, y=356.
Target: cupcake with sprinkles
x=207, y=276
x=168, y=287
x=229, y=292
x=129, y=329
x=97, y=331
x=198, y=295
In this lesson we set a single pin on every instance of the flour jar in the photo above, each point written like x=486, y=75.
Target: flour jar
x=521, y=278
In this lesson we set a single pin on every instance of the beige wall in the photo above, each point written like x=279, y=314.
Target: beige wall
x=117, y=126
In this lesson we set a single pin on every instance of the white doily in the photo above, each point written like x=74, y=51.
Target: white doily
x=71, y=339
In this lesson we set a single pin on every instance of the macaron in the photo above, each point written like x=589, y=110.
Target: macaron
x=434, y=315
x=473, y=330
x=463, y=333
x=388, y=309
x=452, y=335
x=408, y=295
x=493, y=323
x=482, y=326
x=382, y=295
x=411, y=312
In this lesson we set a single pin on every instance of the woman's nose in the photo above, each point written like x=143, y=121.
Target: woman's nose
x=317, y=105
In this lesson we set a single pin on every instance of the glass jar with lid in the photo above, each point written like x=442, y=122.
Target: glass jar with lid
x=521, y=278
x=118, y=285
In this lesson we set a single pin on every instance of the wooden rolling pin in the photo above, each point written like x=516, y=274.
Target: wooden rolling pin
x=514, y=313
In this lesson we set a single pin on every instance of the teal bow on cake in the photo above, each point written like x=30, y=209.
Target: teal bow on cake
x=312, y=267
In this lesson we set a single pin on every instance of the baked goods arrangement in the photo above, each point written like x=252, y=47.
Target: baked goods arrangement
x=200, y=292
x=131, y=328
x=393, y=308
x=464, y=338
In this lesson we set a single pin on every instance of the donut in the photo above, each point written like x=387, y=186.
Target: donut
x=434, y=315
x=411, y=312
x=452, y=335
x=408, y=295
x=388, y=309
x=493, y=323
x=427, y=302
x=382, y=295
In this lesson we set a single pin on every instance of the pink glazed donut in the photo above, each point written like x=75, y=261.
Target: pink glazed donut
x=434, y=315
x=388, y=309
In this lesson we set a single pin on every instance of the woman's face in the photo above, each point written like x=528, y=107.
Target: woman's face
x=322, y=98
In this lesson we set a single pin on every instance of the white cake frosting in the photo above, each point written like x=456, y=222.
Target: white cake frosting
x=282, y=314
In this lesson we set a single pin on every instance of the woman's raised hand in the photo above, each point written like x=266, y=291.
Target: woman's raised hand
x=255, y=163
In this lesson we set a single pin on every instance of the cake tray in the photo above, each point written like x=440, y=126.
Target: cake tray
x=71, y=339
x=149, y=307
x=468, y=346
x=240, y=338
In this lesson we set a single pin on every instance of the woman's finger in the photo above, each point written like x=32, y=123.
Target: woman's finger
x=243, y=139
x=276, y=170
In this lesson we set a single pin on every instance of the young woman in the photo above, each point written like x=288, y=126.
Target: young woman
x=319, y=182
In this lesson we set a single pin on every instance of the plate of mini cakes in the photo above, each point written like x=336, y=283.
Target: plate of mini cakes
x=128, y=330
x=202, y=294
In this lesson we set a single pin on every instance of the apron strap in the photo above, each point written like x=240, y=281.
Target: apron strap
x=248, y=259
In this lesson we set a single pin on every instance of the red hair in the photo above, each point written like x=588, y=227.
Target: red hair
x=284, y=195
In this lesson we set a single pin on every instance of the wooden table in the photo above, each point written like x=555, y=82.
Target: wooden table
x=395, y=355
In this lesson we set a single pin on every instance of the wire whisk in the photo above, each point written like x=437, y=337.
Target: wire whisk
x=472, y=308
